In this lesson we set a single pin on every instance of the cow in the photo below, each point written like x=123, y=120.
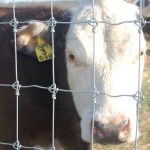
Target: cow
x=116, y=73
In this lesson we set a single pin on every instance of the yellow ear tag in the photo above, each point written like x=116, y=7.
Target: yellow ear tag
x=43, y=50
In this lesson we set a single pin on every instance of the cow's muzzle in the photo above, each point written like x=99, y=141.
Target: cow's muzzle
x=116, y=133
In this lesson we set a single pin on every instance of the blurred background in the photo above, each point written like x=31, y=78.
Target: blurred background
x=145, y=3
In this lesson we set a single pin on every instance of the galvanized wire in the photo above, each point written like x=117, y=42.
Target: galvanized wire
x=52, y=26
x=16, y=145
x=139, y=80
x=93, y=24
x=50, y=21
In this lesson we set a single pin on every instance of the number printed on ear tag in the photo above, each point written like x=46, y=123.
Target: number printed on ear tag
x=43, y=50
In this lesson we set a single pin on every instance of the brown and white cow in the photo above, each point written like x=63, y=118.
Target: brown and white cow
x=116, y=72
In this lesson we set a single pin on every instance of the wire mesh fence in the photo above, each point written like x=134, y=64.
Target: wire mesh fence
x=93, y=22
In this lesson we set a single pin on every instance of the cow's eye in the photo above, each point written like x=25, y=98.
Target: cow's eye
x=71, y=58
x=142, y=53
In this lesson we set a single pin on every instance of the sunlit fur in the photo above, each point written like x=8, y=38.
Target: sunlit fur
x=116, y=63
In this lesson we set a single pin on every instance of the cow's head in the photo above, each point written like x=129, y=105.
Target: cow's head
x=116, y=67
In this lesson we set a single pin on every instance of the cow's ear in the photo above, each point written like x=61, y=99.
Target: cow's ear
x=27, y=36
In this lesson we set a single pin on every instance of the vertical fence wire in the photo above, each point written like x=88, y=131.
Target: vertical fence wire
x=93, y=22
x=52, y=26
x=139, y=94
x=17, y=143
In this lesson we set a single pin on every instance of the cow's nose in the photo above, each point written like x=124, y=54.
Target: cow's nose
x=110, y=132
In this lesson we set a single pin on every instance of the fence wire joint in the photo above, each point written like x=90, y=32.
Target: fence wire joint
x=138, y=97
x=16, y=145
x=16, y=86
x=53, y=89
x=52, y=23
x=14, y=24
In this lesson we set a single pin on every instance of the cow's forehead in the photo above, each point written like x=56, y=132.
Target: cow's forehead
x=113, y=9
x=109, y=39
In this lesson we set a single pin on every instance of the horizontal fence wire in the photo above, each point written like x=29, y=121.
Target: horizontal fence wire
x=53, y=89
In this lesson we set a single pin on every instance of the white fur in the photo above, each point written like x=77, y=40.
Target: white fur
x=25, y=37
x=116, y=60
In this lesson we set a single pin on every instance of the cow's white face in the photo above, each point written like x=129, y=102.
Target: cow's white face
x=116, y=69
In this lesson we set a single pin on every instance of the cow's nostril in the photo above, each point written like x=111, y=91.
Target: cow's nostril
x=98, y=132
x=125, y=126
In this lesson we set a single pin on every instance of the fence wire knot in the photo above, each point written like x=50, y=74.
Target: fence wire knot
x=94, y=23
x=53, y=148
x=14, y=24
x=16, y=145
x=95, y=94
x=53, y=89
x=16, y=86
x=140, y=22
x=138, y=97
x=52, y=23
